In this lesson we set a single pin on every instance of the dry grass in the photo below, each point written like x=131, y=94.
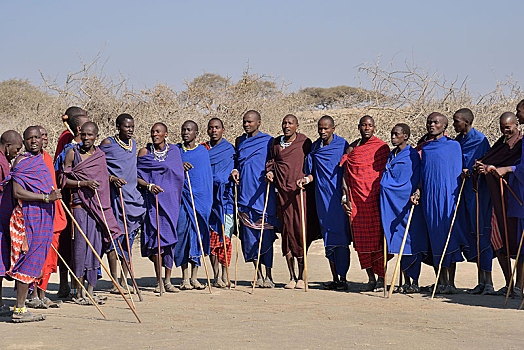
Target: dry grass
x=393, y=95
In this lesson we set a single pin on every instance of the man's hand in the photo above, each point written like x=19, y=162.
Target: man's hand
x=235, y=176
x=55, y=195
x=187, y=166
x=302, y=182
x=347, y=207
x=414, y=199
x=498, y=172
x=269, y=176
x=155, y=189
x=465, y=174
x=117, y=181
x=92, y=184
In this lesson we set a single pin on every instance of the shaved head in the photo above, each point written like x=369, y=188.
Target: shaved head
x=440, y=116
x=10, y=137
x=366, y=117
x=509, y=117
x=328, y=118
x=161, y=124
x=31, y=129
x=88, y=125
x=465, y=114
x=190, y=122
x=252, y=111
x=291, y=116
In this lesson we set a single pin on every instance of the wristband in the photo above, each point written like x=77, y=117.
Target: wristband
x=149, y=187
x=344, y=198
x=78, y=184
x=306, y=178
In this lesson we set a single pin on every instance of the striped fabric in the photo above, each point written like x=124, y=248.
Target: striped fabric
x=496, y=238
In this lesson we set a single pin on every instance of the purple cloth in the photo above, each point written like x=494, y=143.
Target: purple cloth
x=94, y=168
x=34, y=176
x=122, y=163
x=168, y=174
x=6, y=208
x=85, y=262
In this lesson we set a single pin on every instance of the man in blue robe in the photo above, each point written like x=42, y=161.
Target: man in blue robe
x=474, y=145
x=399, y=181
x=252, y=153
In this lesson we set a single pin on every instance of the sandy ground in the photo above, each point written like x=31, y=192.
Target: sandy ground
x=277, y=317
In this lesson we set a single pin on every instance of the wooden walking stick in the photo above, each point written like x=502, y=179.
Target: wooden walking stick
x=304, y=245
x=506, y=239
x=114, y=245
x=225, y=254
x=514, y=269
x=478, y=231
x=159, y=260
x=447, y=239
x=238, y=234
x=79, y=283
x=202, y=258
x=385, y=267
x=511, y=191
x=100, y=260
x=260, y=239
x=130, y=262
x=397, y=265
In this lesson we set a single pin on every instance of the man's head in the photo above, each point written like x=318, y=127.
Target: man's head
x=251, y=121
x=509, y=124
x=33, y=140
x=45, y=140
x=326, y=127
x=126, y=126
x=11, y=143
x=71, y=113
x=158, y=133
x=76, y=122
x=366, y=127
x=88, y=135
x=189, y=131
x=462, y=120
x=520, y=112
x=289, y=125
x=215, y=129
x=400, y=134
x=436, y=124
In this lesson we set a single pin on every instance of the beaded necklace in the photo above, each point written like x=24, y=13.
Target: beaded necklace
x=127, y=147
x=188, y=149
x=160, y=155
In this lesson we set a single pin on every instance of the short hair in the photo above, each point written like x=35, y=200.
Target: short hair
x=405, y=128
x=466, y=114
x=31, y=128
x=73, y=112
x=327, y=117
x=76, y=121
x=92, y=124
x=292, y=116
x=508, y=115
x=254, y=112
x=438, y=114
x=215, y=119
x=366, y=117
x=161, y=124
x=520, y=103
x=122, y=117
x=191, y=122
x=10, y=136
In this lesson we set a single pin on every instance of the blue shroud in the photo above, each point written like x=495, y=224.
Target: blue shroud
x=474, y=145
x=222, y=158
x=516, y=182
x=188, y=248
x=252, y=155
x=440, y=171
x=399, y=180
x=169, y=175
x=323, y=164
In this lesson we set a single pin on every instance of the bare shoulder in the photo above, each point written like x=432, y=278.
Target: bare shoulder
x=18, y=159
x=142, y=152
x=105, y=142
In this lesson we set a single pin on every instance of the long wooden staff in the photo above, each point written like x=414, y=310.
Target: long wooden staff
x=114, y=245
x=100, y=260
x=514, y=269
x=202, y=258
x=447, y=240
x=506, y=239
x=225, y=254
x=385, y=267
x=81, y=284
x=397, y=265
x=130, y=262
x=511, y=191
x=260, y=239
x=159, y=260
x=238, y=234
x=304, y=245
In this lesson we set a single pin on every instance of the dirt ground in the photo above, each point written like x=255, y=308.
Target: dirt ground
x=272, y=318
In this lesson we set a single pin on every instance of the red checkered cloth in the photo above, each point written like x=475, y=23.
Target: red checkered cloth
x=373, y=260
x=217, y=248
x=496, y=237
x=363, y=168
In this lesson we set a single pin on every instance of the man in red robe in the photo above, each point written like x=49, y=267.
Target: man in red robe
x=364, y=163
x=67, y=136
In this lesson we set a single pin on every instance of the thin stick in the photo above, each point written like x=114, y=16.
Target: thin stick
x=159, y=259
x=130, y=262
x=202, y=258
x=511, y=191
x=68, y=128
x=260, y=239
x=114, y=245
x=447, y=240
x=238, y=234
x=225, y=254
x=397, y=265
x=304, y=245
x=506, y=239
x=101, y=262
x=514, y=269
x=78, y=281
x=478, y=231
x=386, y=267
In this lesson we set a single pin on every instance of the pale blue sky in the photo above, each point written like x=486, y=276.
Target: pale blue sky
x=308, y=43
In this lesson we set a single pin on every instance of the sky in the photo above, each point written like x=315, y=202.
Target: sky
x=306, y=43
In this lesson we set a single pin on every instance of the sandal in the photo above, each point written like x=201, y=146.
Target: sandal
x=342, y=285
x=369, y=287
x=441, y=289
x=489, y=290
x=49, y=304
x=259, y=283
x=63, y=293
x=157, y=289
x=301, y=284
x=292, y=284
x=82, y=301
x=169, y=287
x=218, y=283
x=34, y=303
x=330, y=285
x=197, y=285
x=412, y=289
x=379, y=287
x=185, y=285
x=268, y=283
x=5, y=310
x=26, y=317
x=479, y=289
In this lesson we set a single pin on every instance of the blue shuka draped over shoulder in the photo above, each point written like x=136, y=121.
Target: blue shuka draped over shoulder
x=440, y=171
x=323, y=164
x=169, y=175
x=474, y=145
x=188, y=248
x=252, y=155
x=399, y=180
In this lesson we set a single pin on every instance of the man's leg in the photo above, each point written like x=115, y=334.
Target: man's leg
x=112, y=258
x=291, y=268
x=186, y=284
x=194, y=277
x=20, y=313
x=260, y=278
x=216, y=271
